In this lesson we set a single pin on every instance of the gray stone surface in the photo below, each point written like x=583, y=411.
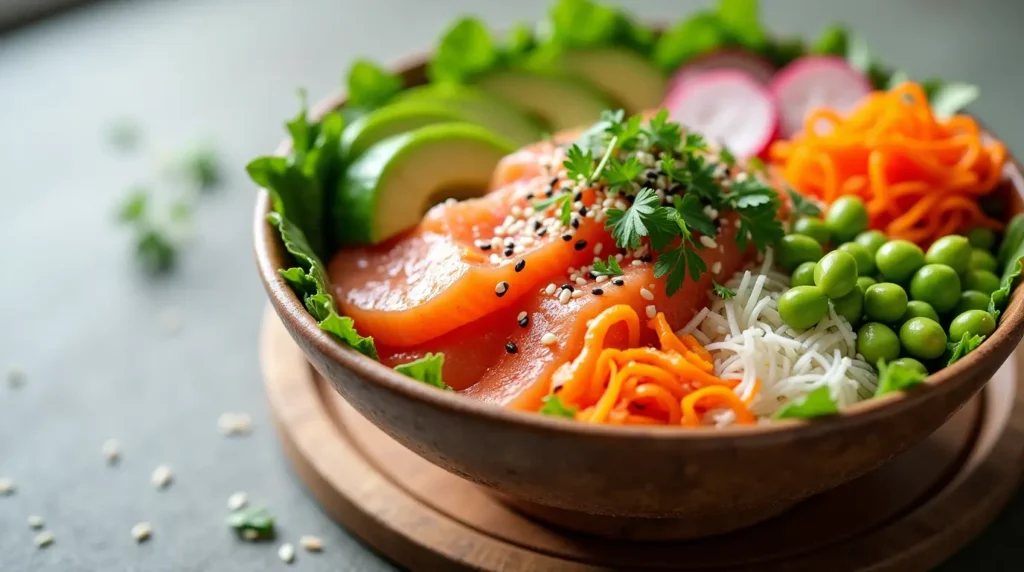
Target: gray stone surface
x=83, y=324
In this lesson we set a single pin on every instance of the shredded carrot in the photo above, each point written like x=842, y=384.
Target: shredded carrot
x=645, y=385
x=919, y=175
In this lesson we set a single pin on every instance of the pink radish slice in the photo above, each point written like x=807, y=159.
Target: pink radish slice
x=816, y=81
x=758, y=68
x=728, y=107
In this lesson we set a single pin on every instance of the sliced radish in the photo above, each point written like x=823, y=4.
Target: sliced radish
x=758, y=68
x=728, y=107
x=816, y=81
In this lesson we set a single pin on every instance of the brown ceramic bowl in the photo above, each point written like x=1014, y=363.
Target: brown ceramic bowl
x=642, y=481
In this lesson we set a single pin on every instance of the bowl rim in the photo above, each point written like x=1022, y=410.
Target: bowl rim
x=271, y=256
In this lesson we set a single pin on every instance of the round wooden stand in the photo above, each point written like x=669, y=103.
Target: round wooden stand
x=910, y=514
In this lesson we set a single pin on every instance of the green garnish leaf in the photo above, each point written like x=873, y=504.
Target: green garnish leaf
x=951, y=98
x=694, y=142
x=802, y=206
x=857, y=53
x=426, y=369
x=817, y=403
x=625, y=132
x=749, y=192
x=721, y=291
x=726, y=157
x=610, y=268
x=370, y=86
x=124, y=135
x=156, y=251
x=832, y=41
x=519, y=43
x=465, y=51
x=692, y=213
x=697, y=34
x=741, y=21
x=202, y=167
x=1011, y=256
x=553, y=406
x=253, y=524
x=562, y=203
x=620, y=175
x=760, y=226
x=967, y=344
x=133, y=207
x=645, y=217
x=662, y=133
x=898, y=77
x=579, y=164
x=896, y=377
x=675, y=262
x=577, y=24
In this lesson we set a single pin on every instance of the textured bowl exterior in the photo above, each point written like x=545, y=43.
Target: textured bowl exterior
x=631, y=471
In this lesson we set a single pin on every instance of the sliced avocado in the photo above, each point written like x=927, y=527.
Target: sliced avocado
x=630, y=79
x=561, y=101
x=480, y=107
x=391, y=120
x=386, y=190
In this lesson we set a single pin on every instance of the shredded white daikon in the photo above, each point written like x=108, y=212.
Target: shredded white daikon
x=749, y=342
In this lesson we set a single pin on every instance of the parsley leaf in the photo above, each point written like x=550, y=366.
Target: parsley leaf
x=721, y=291
x=726, y=157
x=662, y=133
x=675, y=262
x=760, y=226
x=426, y=369
x=202, y=167
x=253, y=523
x=562, y=203
x=626, y=133
x=802, y=206
x=553, y=406
x=817, y=403
x=749, y=192
x=694, y=142
x=156, y=251
x=133, y=207
x=645, y=217
x=896, y=377
x=964, y=346
x=610, y=268
x=370, y=86
x=579, y=164
x=465, y=51
x=619, y=175
x=692, y=213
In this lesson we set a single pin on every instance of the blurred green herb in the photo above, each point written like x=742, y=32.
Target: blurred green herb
x=253, y=524
x=124, y=135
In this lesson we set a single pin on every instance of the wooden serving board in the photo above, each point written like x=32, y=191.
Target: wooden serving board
x=910, y=514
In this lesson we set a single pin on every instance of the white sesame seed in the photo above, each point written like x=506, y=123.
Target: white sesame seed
x=495, y=259
x=646, y=294
x=637, y=262
x=234, y=423
x=708, y=241
x=716, y=267
x=286, y=553
x=564, y=296
x=598, y=248
x=15, y=376
x=311, y=543
x=581, y=281
x=111, y=451
x=35, y=522
x=237, y=501
x=548, y=339
x=7, y=487
x=496, y=243
x=618, y=257
x=44, y=539
x=450, y=201
x=517, y=210
x=519, y=249
x=499, y=231
x=651, y=311
x=577, y=294
x=522, y=316
x=550, y=290
x=162, y=476
x=142, y=531
x=601, y=278
x=574, y=276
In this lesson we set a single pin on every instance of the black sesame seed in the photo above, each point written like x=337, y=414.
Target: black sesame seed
x=484, y=246
x=508, y=252
x=619, y=282
x=567, y=287
x=652, y=176
x=511, y=347
x=554, y=181
x=542, y=232
x=567, y=237
x=583, y=211
x=536, y=224
x=549, y=193
x=529, y=196
x=509, y=243
x=578, y=196
x=575, y=223
x=592, y=274
x=646, y=258
x=500, y=289
x=597, y=291
x=524, y=322
x=520, y=265
x=580, y=245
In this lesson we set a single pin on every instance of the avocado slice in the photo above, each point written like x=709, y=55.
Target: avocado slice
x=391, y=120
x=628, y=78
x=561, y=101
x=386, y=191
x=480, y=107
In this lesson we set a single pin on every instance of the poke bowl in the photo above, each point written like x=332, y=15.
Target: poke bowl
x=760, y=328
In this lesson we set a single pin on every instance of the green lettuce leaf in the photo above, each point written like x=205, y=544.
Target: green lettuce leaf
x=426, y=369
x=553, y=406
x=466, y=51
x=967, y=344
x=896, y=377
x=950, y=98
x=584, y=24
x=741, y=20
x=370, y=86
x=817, y=403
x=832, y=41
x=1011, y=256
x=700, y=33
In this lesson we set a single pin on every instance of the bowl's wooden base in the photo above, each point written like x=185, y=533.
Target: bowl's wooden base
x=908, y=515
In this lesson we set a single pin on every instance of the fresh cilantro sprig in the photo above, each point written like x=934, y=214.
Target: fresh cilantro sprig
x=802, y=206
x=579, y=164
x=553, y=406
x=562, y=203
x=721, y=291
x=610, y=268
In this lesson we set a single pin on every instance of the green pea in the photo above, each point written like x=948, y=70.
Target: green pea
x=898, y=260
x=919, y=309
x=812, y=227
x=982, y=260
x=846, y=218
x=923, y=338
x=803, y=275
x=803, y=307
x=885, y=302
x=910, y=363
x=795, y=249
x=865, y=259
x=971, y=300
x=836, y=274
x=871, y=240
x=877, y=341
x=982, y=238
x=981, y=280
x=850, y=306
x=863, y=282
x=953, y=251
x=972, y=322
x=938, y=285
